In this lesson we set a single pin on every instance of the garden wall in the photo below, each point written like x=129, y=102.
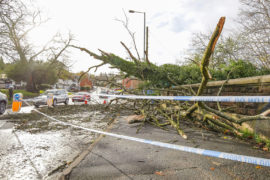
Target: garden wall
x=251, y=86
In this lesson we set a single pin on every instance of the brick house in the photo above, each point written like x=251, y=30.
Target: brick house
x=131, y=83
x=86, y=83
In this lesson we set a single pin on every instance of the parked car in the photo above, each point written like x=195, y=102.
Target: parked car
x=59, y=96
x=81, y=96
x=3, y=103
x=103, y=92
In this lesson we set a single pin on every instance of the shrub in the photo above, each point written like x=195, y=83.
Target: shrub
x=44, y=86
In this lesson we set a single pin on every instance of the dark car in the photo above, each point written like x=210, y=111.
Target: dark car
x=59, y=96
x=3, y=103
x=81, y=96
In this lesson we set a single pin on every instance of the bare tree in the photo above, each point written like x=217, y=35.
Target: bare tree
x=16, y=22
x=228, y=48
x=250, y=42
x=255, y=21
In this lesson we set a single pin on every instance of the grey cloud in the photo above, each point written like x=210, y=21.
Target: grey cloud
x=179, y=24
x=162, y=24
x=156, y=15
x=198, y=5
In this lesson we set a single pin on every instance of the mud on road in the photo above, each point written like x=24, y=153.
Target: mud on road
x=34, y=147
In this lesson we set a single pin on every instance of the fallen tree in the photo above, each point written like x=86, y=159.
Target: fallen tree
x=163, y=113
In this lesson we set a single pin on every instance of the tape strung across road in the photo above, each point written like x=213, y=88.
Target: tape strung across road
x=217, y=154
x=253, y=99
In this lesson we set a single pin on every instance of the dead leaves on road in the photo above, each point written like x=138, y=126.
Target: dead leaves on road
x=160, y=173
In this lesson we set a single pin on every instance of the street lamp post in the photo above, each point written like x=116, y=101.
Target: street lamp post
x=132, y=11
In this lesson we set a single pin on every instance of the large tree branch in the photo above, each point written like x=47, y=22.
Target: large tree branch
x=130, y=54
x=205, y=62
x=97, y=66
x=87, y=51
x=132, y=35
x=207, y=54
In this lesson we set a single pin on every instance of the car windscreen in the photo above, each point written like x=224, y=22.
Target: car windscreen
x=52, y=92
x=81, y=93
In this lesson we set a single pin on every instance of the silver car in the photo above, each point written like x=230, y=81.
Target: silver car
x=3, y=103
x=59, y=96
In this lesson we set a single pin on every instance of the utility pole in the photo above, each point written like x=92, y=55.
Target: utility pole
x=146, y=48
x=144, y=19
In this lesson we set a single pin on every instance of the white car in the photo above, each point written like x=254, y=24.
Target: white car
x=103, y=96
x=3, y=103
x=59, y=96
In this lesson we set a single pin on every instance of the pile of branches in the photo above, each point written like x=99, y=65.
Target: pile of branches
x=162, y=113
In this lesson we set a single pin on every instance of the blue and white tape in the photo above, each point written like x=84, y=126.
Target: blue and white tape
x=204, y=152
x=251, y=99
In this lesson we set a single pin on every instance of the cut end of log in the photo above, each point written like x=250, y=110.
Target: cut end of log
x=135, y=119
x=184, y=136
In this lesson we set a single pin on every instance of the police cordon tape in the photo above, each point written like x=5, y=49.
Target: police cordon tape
x=204, y=152
x=252, y=99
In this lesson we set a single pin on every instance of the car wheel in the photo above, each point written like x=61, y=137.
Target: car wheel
x=54, y=102
x=2, y=107
x=66, y=101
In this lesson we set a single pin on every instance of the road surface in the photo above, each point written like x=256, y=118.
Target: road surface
x=113, y=158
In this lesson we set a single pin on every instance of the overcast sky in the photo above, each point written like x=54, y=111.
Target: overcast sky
x=171, y=25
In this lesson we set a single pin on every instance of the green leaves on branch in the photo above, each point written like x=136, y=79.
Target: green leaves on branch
x=163, y=76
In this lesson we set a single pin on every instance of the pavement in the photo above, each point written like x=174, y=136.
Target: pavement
x=114, y=158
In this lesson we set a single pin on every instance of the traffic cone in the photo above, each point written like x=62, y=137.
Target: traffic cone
x=104, y=102
x=85, y=101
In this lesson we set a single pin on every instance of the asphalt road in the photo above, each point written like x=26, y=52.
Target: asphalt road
x=113, y=158
x=39, y=151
